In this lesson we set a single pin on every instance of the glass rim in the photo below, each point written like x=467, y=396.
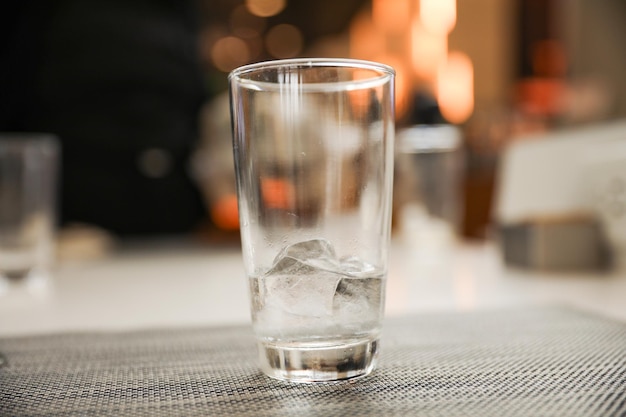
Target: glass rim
x=383, y=73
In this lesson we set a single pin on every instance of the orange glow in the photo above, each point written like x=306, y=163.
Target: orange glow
x=255, y=47
x=438, y=16
x=402, y=82
x=549, y=59
x=265, y=8
x=284, y=41
x=428, y=51
x=541, y=96
x=403, y=89
x=455, y=88
x=229, y=52
x=391, y=15
x=365, y=41
x=360, y=99
x=277, y=193
x=225, y=213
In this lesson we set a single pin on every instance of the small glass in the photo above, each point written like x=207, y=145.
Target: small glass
x=313, y=146
x=428, y=188
x=28, y=171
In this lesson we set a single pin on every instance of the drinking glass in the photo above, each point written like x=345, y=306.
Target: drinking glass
x=28, y=168
x=428, y=189
x=313, y=147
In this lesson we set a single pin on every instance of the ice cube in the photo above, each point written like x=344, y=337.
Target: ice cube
x=303, y=279
x=358, y=295
x=358, y=299
x=355, y=267
x=305, y=257
x=303, y=295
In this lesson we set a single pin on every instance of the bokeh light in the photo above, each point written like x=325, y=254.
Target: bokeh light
x=455, y=88
x=284, y=41
x=265, y=8
x=225, y=213
x=428, y=51
x=360, y=98
x=365, y=41
x=438, y=16
x=391, y=15
x=255, y=47
x=229, y=52
x=402, y=82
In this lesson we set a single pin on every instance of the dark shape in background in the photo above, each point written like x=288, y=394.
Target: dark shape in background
x=120, y=83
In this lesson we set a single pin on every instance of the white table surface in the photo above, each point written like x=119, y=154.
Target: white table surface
x=188, y=285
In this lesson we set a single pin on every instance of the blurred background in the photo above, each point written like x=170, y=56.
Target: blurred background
x=136, y=91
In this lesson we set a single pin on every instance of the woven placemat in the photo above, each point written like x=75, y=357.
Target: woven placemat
x=534, y=362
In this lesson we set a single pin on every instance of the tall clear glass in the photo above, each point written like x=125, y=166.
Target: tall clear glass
x=28, y=171
x=313, y=147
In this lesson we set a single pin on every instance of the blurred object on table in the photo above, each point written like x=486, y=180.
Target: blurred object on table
x=428, y=192
x=556, y=80
x=567, y=70
x=606, y=187
x=575, y=243
x=546, y=192
x=29, y=165
x=80, y=242
x=594, y=37
x=487, y=134
x=214, y=166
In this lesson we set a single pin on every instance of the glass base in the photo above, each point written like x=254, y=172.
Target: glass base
x=299, y=362
x=35, y=281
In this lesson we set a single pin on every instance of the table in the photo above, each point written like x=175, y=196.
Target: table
x=167, y=284
x=164, y=329
x=513, y=362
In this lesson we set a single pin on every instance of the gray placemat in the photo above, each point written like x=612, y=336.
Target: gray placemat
x=533, y=362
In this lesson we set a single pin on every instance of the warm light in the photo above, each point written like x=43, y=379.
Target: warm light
x=360, y=98
x=365, y=41
x=229, y=52
x=265, y=8
x=391, y=15
x=549, y=59
x=244, y=24
x=438, y=16
x=541, y=95
x=277, y=193
x=402, y=82
x=284, y=41
x=255, y=46
x=455, y=88
x=225, y=214
x=428, y=51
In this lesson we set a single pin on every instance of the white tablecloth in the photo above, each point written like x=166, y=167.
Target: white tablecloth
x=181, y=285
